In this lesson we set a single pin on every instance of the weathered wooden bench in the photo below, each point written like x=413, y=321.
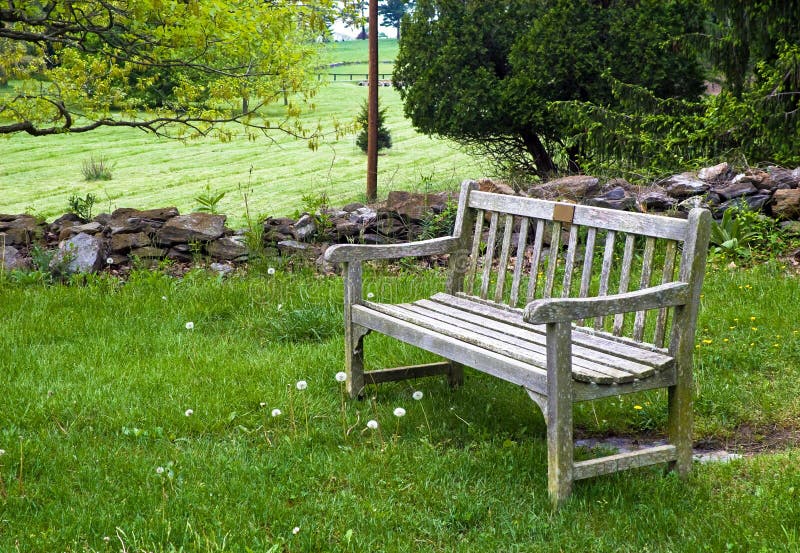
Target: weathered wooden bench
x=538, y=302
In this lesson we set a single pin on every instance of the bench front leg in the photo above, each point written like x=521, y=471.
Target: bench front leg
x=560, y=448
x=353, y=333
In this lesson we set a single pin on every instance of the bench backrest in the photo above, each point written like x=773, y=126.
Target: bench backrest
x=517, y=249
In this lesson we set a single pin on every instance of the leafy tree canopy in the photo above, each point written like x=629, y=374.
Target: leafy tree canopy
x=392, y=12
x=487, y=73
x=172, y=67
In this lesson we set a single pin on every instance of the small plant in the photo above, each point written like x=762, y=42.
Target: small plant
x=82, y=207
x=362, y=122
x=440, y=224
x=209, y=201
x=743, y=233
x=97, y=168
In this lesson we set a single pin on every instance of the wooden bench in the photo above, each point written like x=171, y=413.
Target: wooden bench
x=571, y=302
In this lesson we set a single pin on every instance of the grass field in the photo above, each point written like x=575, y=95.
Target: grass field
x=102, y=453
x=40, y=174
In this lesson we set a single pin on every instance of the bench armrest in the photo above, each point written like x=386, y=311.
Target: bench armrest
x=555, y=310
x=362, y=252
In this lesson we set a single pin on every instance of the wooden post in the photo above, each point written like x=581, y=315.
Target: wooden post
x=559, y=412
x=372, y=102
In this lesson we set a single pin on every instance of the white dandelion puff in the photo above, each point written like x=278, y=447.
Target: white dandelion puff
x=189, y=325
x=276, y=412
x=164, y=298
x=110, y=260
x=262, y=404
x=370, y=296
x=271, y=271
x=159, y=470
x=417, y=395
x=189, y=412
x=296, y=530
x=399, y=412
x=302, y=385
x=372, y=424
x=341, y=376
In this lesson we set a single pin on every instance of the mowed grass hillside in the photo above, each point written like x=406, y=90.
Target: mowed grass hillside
x=39, y=174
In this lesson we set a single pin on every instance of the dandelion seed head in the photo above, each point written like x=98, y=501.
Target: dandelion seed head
x=2, y=452
x=110, y=260
x=417, y=395
x=189, y=412
x=280, y=306
x=276, y=413
x=370, y=296
x=262, y=404
x=159, y=470
x=302, y=385
x=271, y=271
x=189, y=325
x=164, y=298
x=372, y=424
x=399, y=412
x=296, y=530
x=106, y=539
x=341, y=376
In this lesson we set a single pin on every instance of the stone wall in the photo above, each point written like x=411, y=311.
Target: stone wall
x=113, y=240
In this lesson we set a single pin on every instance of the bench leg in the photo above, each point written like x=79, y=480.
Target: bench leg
x=560, y=449
x=455, y=375
x=354, y=360
x=680, y=427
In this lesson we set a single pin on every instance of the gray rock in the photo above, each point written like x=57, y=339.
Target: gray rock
x=617, y=198
x=228, y=248
x=83, y=253
x=495, y=187
x=736, y=189
x=372, y=238
x=133, y=220
x=363, y=216
x=353, y=207
x=88, y=228
x=346, y=229
x=693, y=202
x=657, y=200
x=282, y=225
x=11, y=259
x=684, y=185
x=195, y=227
x=148, y=252
x=221, y=268
x=575, y=187
x=125, y=242
x=786, y=204
x=21, y=230
x=784, y=178
x=293, y=247
x=414, y=206
x=304, y=228
x=713, y=173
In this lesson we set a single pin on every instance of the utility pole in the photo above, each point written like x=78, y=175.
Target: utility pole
x=372, y=104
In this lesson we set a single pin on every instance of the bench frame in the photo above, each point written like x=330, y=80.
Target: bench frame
x=552, y=387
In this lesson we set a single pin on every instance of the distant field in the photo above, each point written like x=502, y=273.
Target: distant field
x=39, y=174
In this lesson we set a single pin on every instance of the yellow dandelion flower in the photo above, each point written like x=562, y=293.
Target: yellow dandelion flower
x=637, y=407
x=707, y=341
x=776, y=345
x=724, y=339
x=752, y=318
x=753, y=328
x=731, y=327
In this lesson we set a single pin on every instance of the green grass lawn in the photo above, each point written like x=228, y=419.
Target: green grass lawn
x=97, y=380
x=39, y=174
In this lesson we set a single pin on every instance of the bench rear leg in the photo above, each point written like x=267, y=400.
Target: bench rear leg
x=455, y=375
x=680, y=427
x=354, y=360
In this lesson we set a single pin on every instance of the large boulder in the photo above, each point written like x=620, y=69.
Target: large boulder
x=83, y=253
x=125, y=242
x=574, y=187
x=195, y=227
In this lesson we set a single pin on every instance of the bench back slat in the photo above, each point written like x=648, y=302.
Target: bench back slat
x=549, y=250
x=667, y=275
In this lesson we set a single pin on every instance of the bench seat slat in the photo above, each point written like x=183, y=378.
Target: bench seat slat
x=586, y=367
x=631, y=369
x=514, y=316
x=501, y=366
x=515, y=348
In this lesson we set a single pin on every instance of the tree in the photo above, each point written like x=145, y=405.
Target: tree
x=171, y=67
x=392, y=12
x=487, y=74
x=384, y=136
